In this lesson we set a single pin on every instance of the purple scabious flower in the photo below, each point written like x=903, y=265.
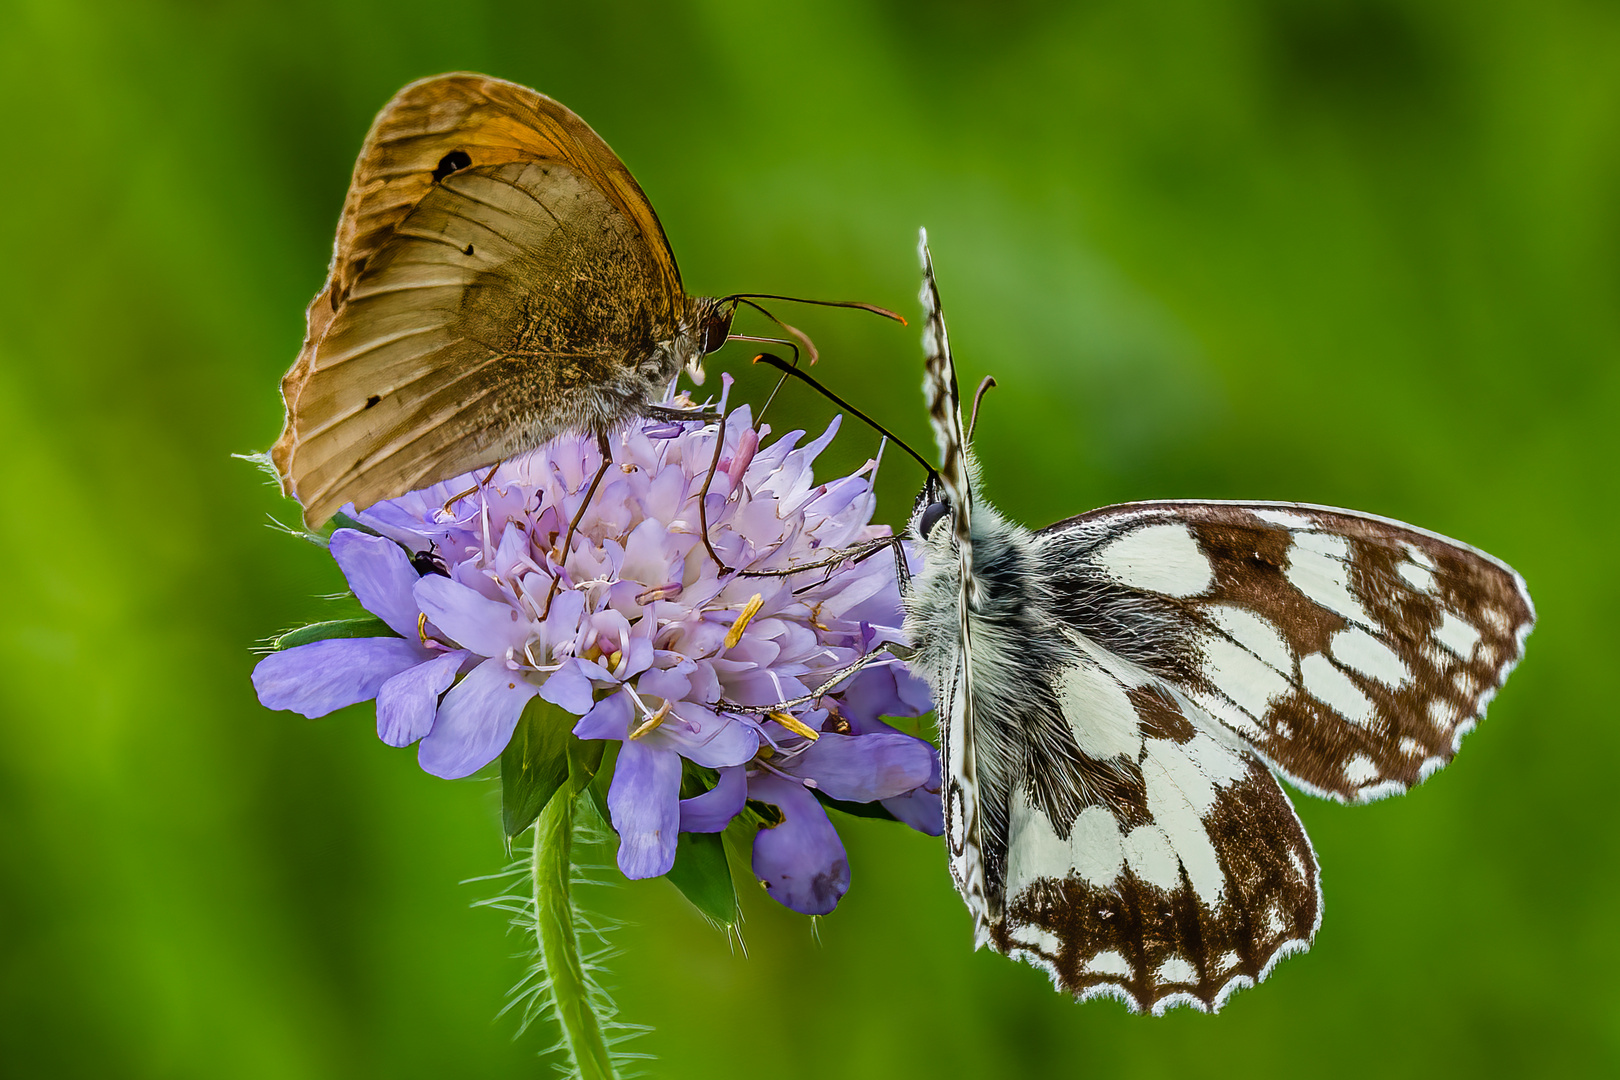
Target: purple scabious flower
x=646, y=640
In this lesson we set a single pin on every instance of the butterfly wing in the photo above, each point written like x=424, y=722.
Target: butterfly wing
x=497, y=276
x=1351, y=651
x=953, y=679
x=1150, y=853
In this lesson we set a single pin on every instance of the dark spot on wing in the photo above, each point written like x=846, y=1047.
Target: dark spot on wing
x=372, y=400
x=454, y=161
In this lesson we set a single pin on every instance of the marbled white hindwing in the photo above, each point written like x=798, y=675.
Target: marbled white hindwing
x=1115, y=691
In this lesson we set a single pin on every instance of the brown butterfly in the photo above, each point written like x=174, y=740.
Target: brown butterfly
x=499, y=278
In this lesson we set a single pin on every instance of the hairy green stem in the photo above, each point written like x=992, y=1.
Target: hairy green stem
x=558, y=940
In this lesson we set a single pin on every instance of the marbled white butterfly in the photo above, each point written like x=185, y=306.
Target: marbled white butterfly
x=1118, y=693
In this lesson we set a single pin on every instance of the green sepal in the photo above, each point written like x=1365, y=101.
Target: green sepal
x=608, y=749
x=344, y=521
x=369, y=626
x=584, y=762
x=703, y=876
x=534, y=764
x=856, y=809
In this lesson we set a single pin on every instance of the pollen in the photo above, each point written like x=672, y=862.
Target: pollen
x=421, y=627
x=795, y=725
x=749, y=610
x=652, y=721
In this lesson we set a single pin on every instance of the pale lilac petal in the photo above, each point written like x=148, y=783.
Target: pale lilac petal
x=381, y=576
x=644, y=803
x=407, y=703
x=864, y=768
x=706, y=739
x=801, y=861
x=487, y=627
x=315, y=679
x=888, y=690
x=568, y=689
x=663, y=683
x=608, y=719
x=476, y=719
x=714, y=809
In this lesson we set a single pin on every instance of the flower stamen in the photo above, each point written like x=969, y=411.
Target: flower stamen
x=795, y=725
x=749, y=610
x=421, y=627
x=652, y=721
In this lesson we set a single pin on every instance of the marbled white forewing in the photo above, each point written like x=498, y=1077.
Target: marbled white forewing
x=952, y=587
x=1184, y=879
x=1351, y=651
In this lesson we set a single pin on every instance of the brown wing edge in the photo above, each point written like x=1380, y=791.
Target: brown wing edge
x=1524, y=624
x=502, y=121
x=1135, y=1000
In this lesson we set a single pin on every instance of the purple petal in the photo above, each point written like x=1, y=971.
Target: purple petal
x=864, y=768
x=475, y=720
x=381, y=575
x=714, y=809
x=703, y=738
x=644, y=802
x=315, y=679
x=407, y=703
x=889, y=690
x=487, y=627
x=801, y=861
x=921, y=809
x=608, y=719
x=568, y=689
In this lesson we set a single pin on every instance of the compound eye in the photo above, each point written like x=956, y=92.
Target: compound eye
x=931, y=517
x=716, y=332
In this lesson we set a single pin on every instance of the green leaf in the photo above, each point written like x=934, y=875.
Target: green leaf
x=369, y=626
x=534, y=764
x=703, y=875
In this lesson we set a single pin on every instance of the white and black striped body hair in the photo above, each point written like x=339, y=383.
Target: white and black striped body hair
x=1117, y=692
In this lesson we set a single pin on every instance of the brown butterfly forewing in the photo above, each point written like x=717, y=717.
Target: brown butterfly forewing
x=498, y=278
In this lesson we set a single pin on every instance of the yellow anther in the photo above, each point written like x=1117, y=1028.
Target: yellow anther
x=593, y=654
x=749, y=610
x=613, y=660
x=795, y=725
x=652, y=721
x=421, y=627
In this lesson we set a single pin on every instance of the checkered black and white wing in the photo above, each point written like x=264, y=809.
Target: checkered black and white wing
x=1352, y=652
x=1149, y=852
x=951, y=596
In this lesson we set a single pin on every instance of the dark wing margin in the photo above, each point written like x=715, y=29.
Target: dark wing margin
x=1351, y=651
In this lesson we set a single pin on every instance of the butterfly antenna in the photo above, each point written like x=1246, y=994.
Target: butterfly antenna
x=787, y=369
x=856, y=304
x=986, y=384
x=809, y=346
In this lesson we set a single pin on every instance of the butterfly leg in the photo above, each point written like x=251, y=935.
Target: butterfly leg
x=606, y=450
x=660, y=412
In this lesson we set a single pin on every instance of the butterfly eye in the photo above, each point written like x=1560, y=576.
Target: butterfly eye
x=716, y=331
x=931, y=517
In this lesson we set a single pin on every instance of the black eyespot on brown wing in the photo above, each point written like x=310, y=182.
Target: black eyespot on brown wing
x=931, y=517
x=454, y=161
x=372, y=400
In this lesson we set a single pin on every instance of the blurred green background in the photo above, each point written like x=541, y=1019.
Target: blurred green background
x=1364, y=254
